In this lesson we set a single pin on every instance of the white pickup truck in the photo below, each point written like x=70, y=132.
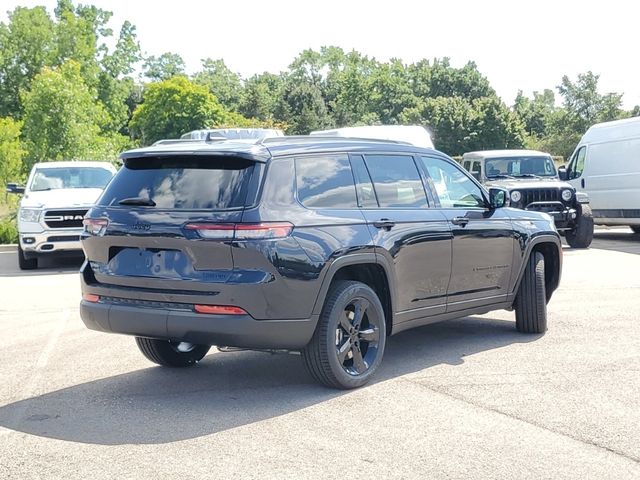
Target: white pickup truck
x=55, y=199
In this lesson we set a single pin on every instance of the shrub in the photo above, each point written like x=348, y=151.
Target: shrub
x=8, y=231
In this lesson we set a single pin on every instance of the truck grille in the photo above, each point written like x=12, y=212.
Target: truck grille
x=540, y=195
x=64, y=218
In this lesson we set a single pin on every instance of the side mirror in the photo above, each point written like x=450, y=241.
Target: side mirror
x=15, y=188
x=498, y=197
x=562, y=172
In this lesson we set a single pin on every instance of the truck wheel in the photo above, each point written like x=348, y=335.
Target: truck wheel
x=171, y=354
x=635, y=228
x=24, y=263
x=531, y=299
x=348, y=344
x=582, y=235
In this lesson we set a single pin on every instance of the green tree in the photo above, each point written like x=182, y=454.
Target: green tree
x=221, y=82
x=173, y=107
x=535, y=113
x=440, y=79
x=62, y=119
x=302, y=107
x=11, y=151
x=391, y=92
x=26, y=46
x=260, y=95
x=163, y=67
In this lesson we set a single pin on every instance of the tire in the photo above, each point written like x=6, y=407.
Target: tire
x=635, y=228
x=347, y=346
x=171, y=354
x=26, y=263
x=531, y=299
x=582, y=235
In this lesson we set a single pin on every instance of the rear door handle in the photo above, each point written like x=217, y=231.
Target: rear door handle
x=384, y=223
x=460, y=220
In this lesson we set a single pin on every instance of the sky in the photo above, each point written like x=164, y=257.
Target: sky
x=517, y=45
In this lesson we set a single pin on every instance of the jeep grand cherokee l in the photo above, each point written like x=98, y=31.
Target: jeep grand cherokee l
x=314, y=244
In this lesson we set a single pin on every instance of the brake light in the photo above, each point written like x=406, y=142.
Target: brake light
x=90, y=297
x=95, y=226
x=241, y=231
x=219, y=310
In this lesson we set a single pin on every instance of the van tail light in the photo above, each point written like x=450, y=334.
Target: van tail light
x=95, y=226
x=219, y=310
x=241, y=231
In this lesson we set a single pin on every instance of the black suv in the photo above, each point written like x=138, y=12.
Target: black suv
x=533, y=183
x=314, y=244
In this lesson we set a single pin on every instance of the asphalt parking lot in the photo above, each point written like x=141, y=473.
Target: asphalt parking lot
x=469, y=398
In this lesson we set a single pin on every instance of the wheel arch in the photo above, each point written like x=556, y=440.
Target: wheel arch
x=368, y=268
x=551, y=248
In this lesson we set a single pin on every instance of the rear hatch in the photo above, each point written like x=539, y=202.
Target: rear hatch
x=167, y=222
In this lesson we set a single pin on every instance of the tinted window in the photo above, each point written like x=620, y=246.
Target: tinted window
x=183, y=183
x=364, y=187
x=72, y=177
x=396, y=180
x=325, y=181
x=454, y=188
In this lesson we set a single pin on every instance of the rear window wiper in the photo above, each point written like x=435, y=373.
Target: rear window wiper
x=144, y=202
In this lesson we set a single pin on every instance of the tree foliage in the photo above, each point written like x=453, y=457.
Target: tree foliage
x=77, y=92
x=62, y=119
x=224, y=84
x=11, y=151
x=163, y=67
x=173, y=107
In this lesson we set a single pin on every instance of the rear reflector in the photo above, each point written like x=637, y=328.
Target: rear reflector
x=90, y=297
x=219, y=310
x=241, y=231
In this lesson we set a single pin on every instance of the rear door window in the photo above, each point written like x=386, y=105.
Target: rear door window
x=203, y=183
x=396, y=181
x=325, y=181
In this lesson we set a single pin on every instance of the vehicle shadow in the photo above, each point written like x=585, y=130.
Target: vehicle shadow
x=46, y=266
x=228, y=390
x=617, y=240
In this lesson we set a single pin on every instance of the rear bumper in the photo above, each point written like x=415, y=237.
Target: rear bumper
x=183, y=325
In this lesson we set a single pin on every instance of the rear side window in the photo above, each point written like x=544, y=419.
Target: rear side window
x=325, y=181
x=203, y=183
x=396, y=181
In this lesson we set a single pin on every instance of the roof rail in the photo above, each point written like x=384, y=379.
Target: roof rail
x=323, y=138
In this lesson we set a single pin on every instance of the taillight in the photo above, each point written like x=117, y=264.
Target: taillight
x=95, y=226
x=90, y=297
x=241, y=231
x=219, y=310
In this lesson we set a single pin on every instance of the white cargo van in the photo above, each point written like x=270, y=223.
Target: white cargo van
x=606, y=165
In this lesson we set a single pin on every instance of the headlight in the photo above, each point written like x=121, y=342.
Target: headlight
x=566, y=195
x=516, y=196
x=30, y=215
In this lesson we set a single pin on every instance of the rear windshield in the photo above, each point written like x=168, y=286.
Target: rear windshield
x=182, y=183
